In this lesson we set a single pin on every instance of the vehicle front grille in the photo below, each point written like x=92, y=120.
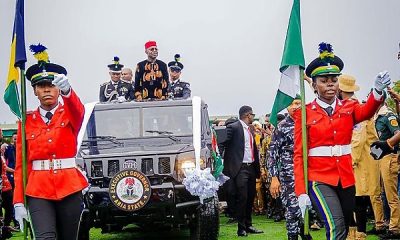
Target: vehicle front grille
x=164, y=165
x=113, y=167
x=147, y=166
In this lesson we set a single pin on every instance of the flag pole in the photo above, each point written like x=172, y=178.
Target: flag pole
x=305, y=147
x=23, y=137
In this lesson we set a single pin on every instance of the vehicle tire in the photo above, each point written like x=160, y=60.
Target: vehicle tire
x=206, y=224
x=84, y=226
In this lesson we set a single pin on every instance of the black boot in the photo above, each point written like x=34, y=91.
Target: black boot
x=293, y=237
x=302, y=235
x=306, y=237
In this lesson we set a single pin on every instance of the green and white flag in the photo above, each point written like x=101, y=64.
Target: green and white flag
x=291, y=65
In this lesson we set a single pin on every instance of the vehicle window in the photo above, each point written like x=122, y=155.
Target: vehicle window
x=167, y=120
x=118, y=123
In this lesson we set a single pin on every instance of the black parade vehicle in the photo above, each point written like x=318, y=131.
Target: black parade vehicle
x=135, y=155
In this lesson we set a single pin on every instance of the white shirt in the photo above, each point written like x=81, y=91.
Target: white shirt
x=325, y=105
x=248, y=139
x=43, y=113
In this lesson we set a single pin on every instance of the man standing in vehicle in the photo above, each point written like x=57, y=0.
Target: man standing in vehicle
x=151, y=77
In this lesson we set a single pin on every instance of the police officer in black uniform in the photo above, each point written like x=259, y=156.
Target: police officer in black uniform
x=115, y=89
x=177, y=88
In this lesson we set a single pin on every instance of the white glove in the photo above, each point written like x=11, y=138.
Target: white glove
x=121, y=99
x=382, y=81
x=61, y=81
x=304, y=204
x=20, y=214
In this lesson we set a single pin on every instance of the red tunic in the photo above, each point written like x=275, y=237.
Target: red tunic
x=54, y=141
x=323, y=130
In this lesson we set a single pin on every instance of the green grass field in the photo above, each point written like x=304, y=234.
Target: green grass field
x=272, y=231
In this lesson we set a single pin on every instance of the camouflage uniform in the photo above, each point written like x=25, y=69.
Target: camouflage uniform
x=280, y=164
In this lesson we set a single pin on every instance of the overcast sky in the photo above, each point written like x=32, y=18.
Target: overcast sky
x=231, y=49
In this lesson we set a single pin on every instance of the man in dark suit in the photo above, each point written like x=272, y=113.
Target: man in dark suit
x=241, y=164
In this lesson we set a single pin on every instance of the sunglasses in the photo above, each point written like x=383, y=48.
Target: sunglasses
x=177, y=70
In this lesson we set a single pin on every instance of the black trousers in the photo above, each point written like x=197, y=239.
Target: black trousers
x=7, y=204
x=362, y=203
x=245, y=184
x=230, y=193
x=335, y=207
x=56, y=219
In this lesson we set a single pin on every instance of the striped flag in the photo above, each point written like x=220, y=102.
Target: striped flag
x=292, y=63
x=17, y=60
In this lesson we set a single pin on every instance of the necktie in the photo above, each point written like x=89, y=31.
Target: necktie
x=329, y=110
x=251, y=144
x=49, y=116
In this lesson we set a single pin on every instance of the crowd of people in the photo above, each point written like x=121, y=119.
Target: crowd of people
x=351, y=152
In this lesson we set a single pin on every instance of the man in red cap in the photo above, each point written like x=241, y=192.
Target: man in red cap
x=151, y=77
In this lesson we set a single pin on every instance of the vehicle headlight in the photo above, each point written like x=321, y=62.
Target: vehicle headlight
x=185, y=164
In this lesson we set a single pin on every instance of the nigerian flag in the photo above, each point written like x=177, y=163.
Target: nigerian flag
x=291, y=65
x=17, y=60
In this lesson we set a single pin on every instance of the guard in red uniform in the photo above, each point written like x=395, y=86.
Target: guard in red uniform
x=54, y=184
x=330, y=124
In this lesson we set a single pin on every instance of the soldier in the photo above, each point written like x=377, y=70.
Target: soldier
x=115, y=89
x=386, y=125
x=53, y=188
x=151, y=77
x=280, y=167
x=330, y=124
x=177, y=88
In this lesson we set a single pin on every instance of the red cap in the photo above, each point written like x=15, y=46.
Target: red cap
x=150, y=44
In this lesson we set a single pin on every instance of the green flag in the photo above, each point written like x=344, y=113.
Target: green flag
x=292, y=62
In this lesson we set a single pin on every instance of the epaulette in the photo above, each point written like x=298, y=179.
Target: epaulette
x=104, y=84
x=29, y=112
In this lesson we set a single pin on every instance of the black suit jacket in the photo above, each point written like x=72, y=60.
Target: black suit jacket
x=234, y=151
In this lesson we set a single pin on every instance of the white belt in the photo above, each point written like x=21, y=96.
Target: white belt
x=330, y=151
x=54, y=164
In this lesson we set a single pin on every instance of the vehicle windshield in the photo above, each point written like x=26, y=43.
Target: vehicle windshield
x=167, y=121
x=139, y=122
